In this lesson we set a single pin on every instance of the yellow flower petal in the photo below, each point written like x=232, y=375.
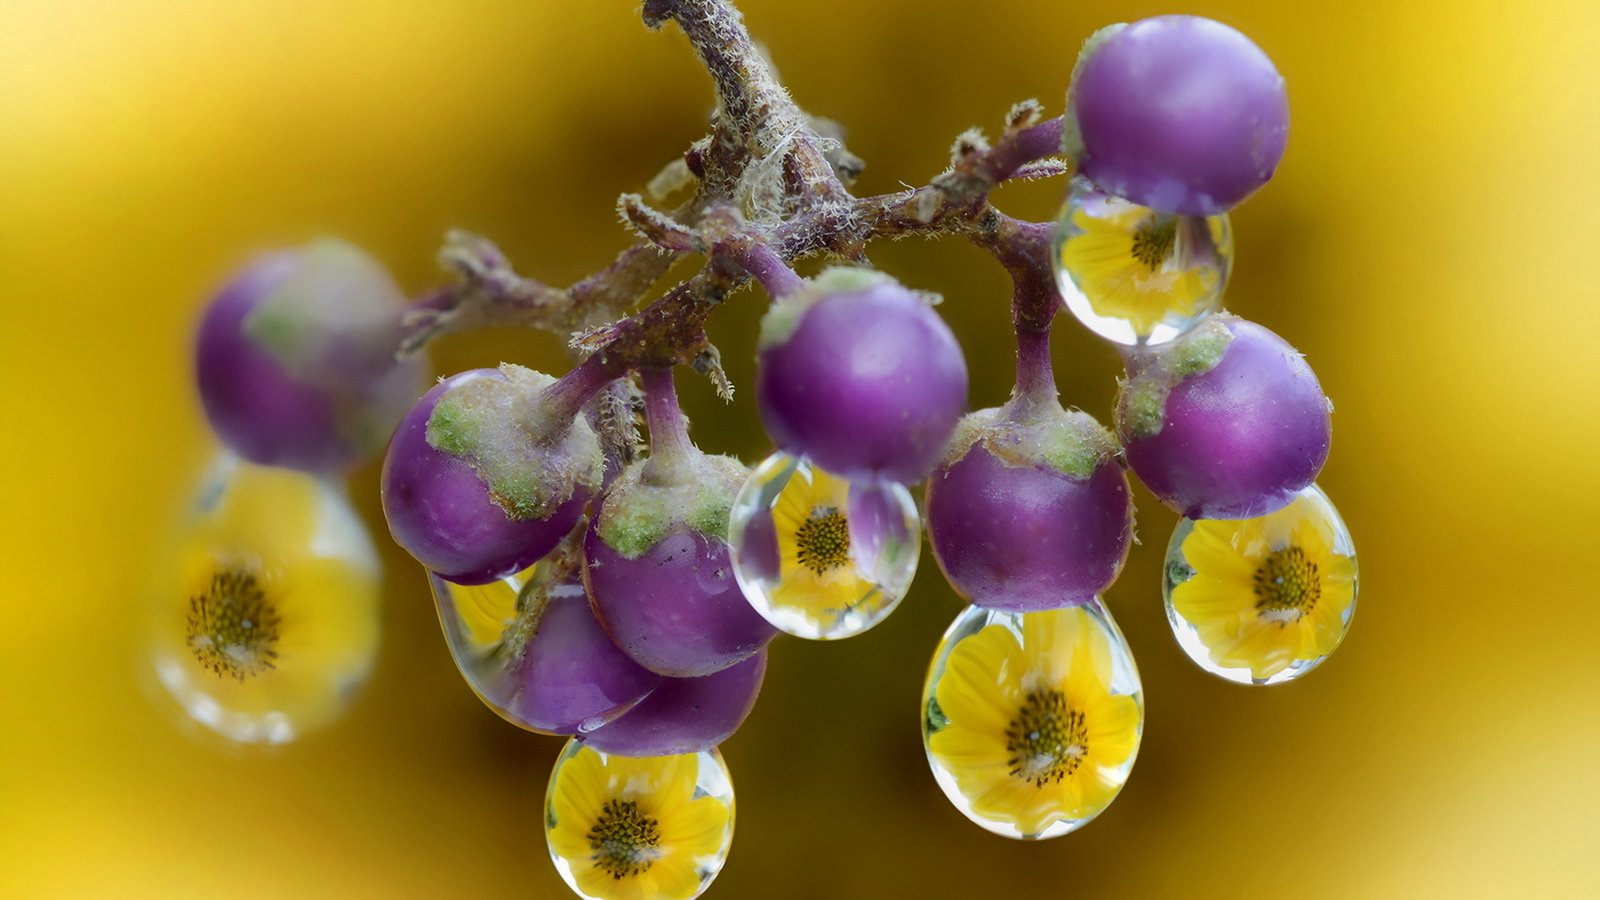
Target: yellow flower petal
x=696, y=828
x=982, y=682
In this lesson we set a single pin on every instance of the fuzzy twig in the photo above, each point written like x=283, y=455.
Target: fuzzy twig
x=772, y=189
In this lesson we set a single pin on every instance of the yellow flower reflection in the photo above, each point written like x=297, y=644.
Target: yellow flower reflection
x=1034, y=734
x=487, y=611
x=634, y=829
x=1134, y=264
x=1269, y=592
x=269, y=623
x=817, y=574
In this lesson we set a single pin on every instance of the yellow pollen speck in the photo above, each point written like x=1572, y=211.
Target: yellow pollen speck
x=623, y=839
x=822, y=541
x=1047, y=740
x=1287, y=585
x=232, y=629
x=1154, y=239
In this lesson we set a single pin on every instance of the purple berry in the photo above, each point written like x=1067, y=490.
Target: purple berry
x=659, y=575
x=685, y=715
x=572, y=675
x=1178, y=113
x=1227, y=423
x=545, y=665
x=1033, y=512
x=861, y=376
x=489, y=471
x=295, y=358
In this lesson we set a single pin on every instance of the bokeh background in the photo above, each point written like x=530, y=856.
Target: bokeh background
x=1430, y=242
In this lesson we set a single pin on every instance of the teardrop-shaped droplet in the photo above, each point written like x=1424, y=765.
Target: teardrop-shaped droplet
x=1032, y=720
x=263, y=624
x=1136, y=276
x=818, y=556
x=1262, y=600
x=622, y=828
x=530, y=648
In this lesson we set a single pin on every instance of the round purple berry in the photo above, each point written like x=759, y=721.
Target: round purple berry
x=860, y=376
x=1181, y=114
x=487, y=473
x=1227, y=423
x=685, y=715
x=571, y=676
x=1033, y=514
x=295, y=361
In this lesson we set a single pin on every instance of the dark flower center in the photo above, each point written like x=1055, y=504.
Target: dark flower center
x=823, y=540
x=624, y=840
x=1287, y=586
x=233, y=630
x=1154, y=240
x=1047, y=740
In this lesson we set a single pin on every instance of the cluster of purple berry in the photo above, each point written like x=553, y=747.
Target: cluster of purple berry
x=629, y=602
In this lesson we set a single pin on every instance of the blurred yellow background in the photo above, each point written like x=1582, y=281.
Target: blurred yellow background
x=1431, y=242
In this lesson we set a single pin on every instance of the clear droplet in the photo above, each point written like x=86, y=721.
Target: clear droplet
x=1136, y=276
x=621, y=828
x=263, y=621
x=529, y=646
x=1263, y=600
x=1032, y=720
x=818, y=556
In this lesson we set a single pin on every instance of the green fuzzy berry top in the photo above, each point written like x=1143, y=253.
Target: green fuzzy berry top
x=529, y=462
x=336, y=303
x=637, y=514
x=1142, y=400
x=1037, y=434
x=783, y=316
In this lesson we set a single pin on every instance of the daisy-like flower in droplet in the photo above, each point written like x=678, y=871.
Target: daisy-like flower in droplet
x=1271, y=592
x=487, y=612
x=1141, y=266
x=636, y=829
x=817, y=573
x=1032, y=732
x=270, y=621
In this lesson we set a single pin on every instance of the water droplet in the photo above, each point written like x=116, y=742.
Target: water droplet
x=1262, y=600
x=1136, y=276
x=621, y=827
x=1032, y=720
x=263, y=622
x=529, y=646
x=818, y=556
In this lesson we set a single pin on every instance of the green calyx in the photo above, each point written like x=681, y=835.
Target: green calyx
x=529, y=460
x=1037, y=434
x=1071, y=134
x=1142, y=407
x=335, y=301
x=783, y=316
x=637, y=514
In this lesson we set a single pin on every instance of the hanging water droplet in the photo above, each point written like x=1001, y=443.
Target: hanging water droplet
x=529, y=646
x=263, y=622
x=1031, y=721
x=1262, y=600
x=1136, y=276
x=818, y=556
x=622, y=828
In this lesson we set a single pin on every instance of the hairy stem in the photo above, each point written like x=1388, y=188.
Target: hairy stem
x=669, y=433
x=767, y=267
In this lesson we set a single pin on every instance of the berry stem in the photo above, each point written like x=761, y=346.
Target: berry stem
x=670, y=447
x=767, y=267
x=563, y=400
x=1035, y=378
x=1023, y=248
